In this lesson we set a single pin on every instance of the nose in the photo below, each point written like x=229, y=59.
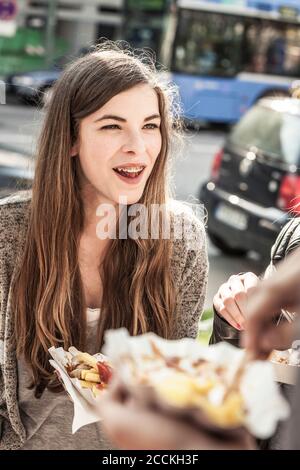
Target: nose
x=134, y=143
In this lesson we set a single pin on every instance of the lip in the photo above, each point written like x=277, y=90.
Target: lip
x=130, y=181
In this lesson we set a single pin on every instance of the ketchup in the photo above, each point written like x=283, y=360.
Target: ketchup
x=105, y=372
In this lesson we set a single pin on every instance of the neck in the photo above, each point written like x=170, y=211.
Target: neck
x=92, y=201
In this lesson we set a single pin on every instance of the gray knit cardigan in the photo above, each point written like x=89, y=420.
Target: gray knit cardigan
x=189, y=267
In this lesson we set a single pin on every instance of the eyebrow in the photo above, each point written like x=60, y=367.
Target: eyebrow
x=121, y=119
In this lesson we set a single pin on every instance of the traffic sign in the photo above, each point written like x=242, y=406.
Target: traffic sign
x=8, y=9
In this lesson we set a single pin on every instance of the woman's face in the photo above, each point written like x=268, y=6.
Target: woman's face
x=119, y=144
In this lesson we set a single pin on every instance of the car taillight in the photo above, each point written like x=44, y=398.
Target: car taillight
x=215, y=169
x=289, y=194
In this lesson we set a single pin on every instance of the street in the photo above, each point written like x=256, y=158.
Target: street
x=19, y=127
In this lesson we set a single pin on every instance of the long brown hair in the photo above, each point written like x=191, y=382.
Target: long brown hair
x=138, y=289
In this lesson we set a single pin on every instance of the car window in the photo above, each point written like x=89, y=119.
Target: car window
x=273, y=133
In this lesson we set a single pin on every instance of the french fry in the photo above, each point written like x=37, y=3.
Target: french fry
x=96, y=391
x=85, y=367
x=83, y=374
x=85, y=384
x=87, y=359
x=90, y=377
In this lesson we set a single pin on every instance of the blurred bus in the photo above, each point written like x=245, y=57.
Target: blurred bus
x=226, y=54
x=144, y=22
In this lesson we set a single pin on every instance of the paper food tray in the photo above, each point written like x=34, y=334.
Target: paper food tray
x=85, y=404
x=261, y=395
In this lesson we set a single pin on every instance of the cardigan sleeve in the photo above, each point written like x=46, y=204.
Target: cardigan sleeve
x=192, y=251
x=13, y=225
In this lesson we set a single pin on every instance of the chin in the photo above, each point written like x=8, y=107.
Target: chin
x=129, y=198
x=133, y=200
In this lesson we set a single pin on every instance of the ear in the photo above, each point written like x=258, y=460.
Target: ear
x=74, y=150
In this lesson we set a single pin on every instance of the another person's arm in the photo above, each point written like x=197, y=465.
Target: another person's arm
x=230, y=302
x=130, y=425
x=280, y=291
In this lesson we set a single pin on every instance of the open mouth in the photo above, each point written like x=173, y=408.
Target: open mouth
x=129, y=172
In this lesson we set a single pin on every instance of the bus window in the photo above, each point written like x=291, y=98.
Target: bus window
x=214, y=44
x=207, y=44
x=272, y=48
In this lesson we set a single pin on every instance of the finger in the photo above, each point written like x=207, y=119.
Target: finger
x=239, y=293
x=223, y=312
x=278, y=291
x=280, y=337
x=236, y=282
x=123, y=426
x=261, y=309
x=254, y=352
x=250, y=281
x=230, y=305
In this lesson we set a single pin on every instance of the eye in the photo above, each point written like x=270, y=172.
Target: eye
x=151, y=126
x=110, y=126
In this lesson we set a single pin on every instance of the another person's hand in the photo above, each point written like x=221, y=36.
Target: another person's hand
x=232, y=298
x=280, y=291
x=132, y=425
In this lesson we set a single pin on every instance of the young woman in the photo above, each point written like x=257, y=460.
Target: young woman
x=106, y=138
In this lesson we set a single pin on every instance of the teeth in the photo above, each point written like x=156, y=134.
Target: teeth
x=131, y=169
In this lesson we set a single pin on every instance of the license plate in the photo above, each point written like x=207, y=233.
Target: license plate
x=232, y=217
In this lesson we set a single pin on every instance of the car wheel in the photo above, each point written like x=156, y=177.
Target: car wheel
x=226, y=249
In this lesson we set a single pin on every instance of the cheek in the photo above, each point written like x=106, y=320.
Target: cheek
x=156, y=144
x=96, y=152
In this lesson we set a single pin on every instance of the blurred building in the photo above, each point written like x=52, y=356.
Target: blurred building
x=46, y=30
x=77, y=22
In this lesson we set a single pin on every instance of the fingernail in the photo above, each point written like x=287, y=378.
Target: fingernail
x=239, y=326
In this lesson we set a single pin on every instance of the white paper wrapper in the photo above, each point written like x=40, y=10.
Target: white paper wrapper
x=259, y=390
x=85, y=404
x=286, y=366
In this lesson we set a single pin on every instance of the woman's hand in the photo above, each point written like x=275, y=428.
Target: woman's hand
x=280, y=291
x=232, y=297
x=132, y=425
